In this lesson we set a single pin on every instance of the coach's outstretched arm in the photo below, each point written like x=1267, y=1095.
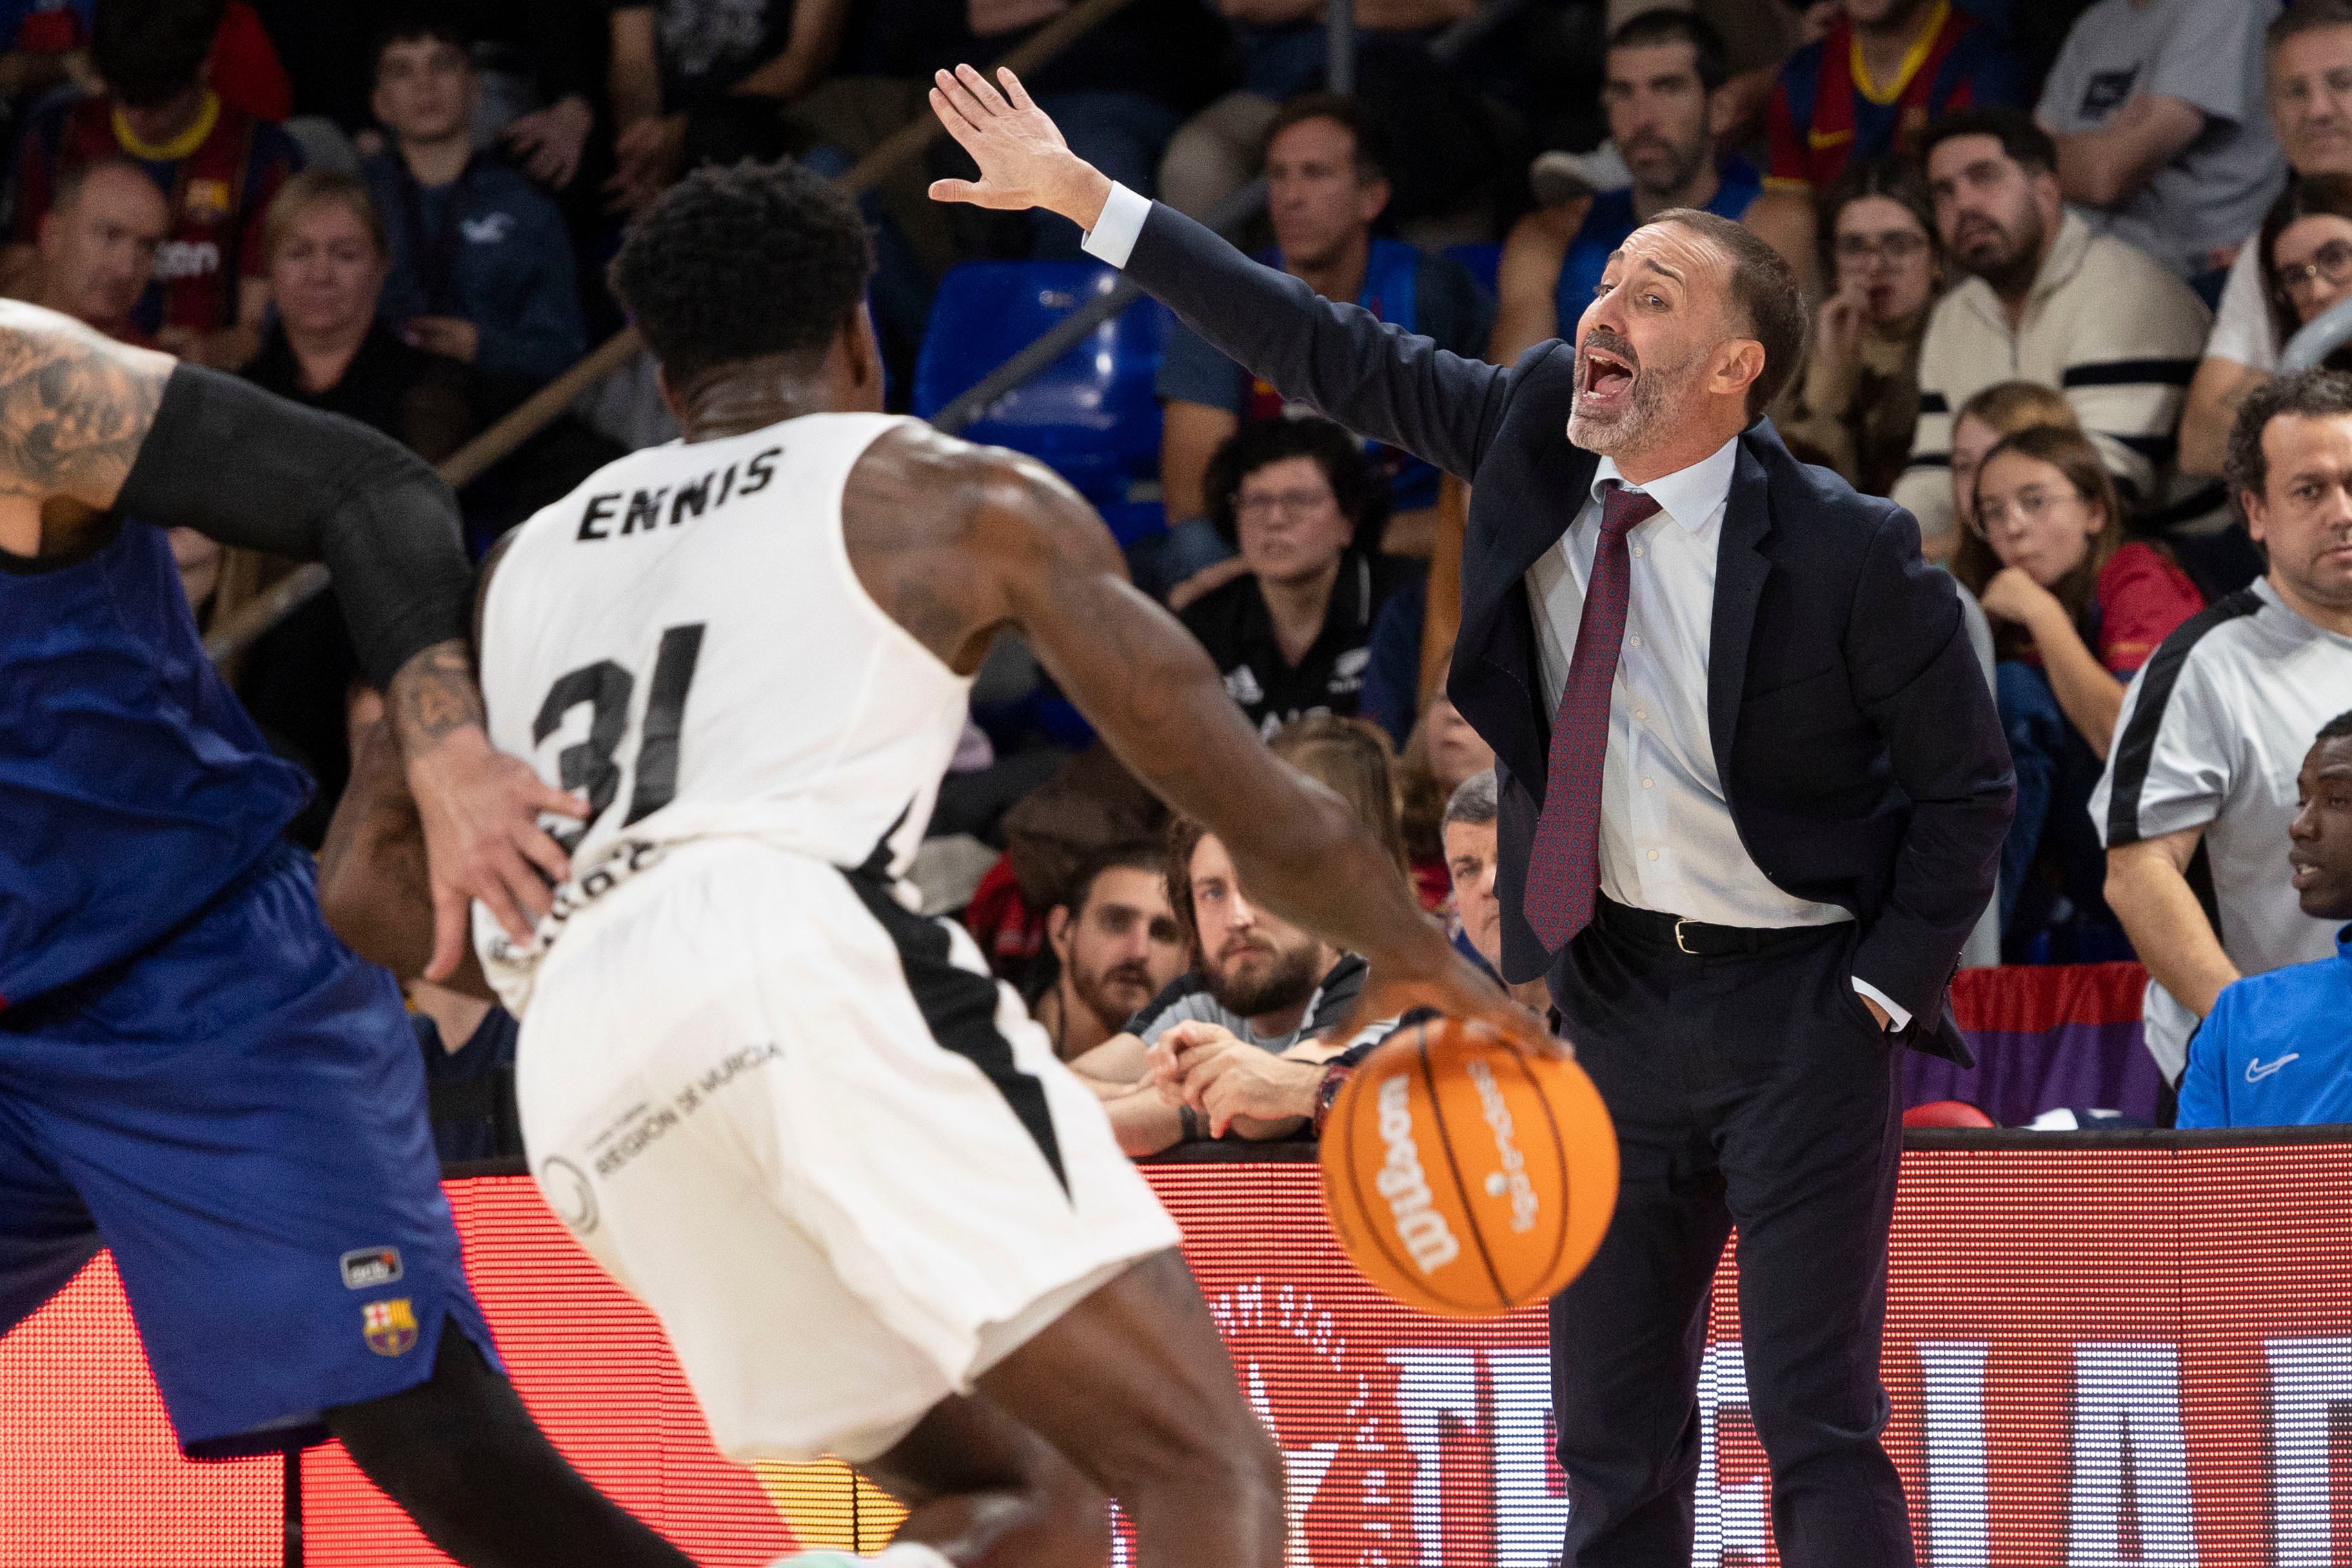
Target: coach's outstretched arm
x=87, y=424
x=1377, y=379
x=955, y=541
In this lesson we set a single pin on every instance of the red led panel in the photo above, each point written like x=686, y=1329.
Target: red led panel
x=2096, y=1356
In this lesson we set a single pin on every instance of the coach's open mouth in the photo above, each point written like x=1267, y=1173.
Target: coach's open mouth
x=1606, y=377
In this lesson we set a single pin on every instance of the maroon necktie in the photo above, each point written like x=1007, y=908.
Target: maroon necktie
x=1564, y=867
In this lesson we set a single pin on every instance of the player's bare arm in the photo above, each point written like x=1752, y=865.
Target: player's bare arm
x=956, y=542
x=87, y=424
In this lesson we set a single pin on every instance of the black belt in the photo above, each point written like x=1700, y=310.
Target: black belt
x=1695, y=937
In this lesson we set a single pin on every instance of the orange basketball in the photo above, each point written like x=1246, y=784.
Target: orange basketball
x=1465, y=1178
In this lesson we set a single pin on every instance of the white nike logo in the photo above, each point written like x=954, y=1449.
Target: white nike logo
x=2257, y=1070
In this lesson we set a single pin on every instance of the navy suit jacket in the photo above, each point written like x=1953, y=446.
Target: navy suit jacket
x=1858, y=749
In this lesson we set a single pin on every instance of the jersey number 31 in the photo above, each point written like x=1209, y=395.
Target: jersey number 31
x=605, y=688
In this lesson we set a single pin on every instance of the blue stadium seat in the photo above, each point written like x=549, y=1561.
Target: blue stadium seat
x=1090, y=414
x=1485, y=261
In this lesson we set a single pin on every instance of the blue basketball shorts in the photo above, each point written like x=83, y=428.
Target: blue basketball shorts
x=239, y=1115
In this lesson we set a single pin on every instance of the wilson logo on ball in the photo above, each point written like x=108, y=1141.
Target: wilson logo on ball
x=1426, y=1235
x=1463, y=1177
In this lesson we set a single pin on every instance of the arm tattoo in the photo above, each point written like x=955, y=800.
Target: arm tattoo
x=74, y=407
x=434, y=695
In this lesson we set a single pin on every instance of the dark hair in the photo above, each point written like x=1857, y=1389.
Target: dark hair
x=1131, y=854
x=1664, y=25
x=2336, y=729
x=1371, y=145
x=2024, y=142
x=1899, y=180
x=1974, y=560
x=736, y=263
x=412, y=23
x=2305, y=197
x=148, y=51
x=1765, y=287
x=2303, y=394
x=1362, y=494
x=2306, y=17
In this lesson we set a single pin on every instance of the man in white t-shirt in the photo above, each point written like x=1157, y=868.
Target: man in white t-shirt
x=2157, y=106
x=2309, y=54
x=2200, y=783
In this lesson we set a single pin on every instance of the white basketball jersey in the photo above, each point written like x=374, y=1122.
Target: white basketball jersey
x=682, y=641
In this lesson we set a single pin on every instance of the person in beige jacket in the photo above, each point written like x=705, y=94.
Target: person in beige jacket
x=2043, y=299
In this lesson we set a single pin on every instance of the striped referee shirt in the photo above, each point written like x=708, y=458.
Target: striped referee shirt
x=2104, y=324
x=2213, y=730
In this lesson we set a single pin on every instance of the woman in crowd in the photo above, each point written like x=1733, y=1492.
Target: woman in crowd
x=1854, y=408
x=2077, y=608
x=324, y=348
x=1291, y=635
x=1442, y=754
x=1990, y=417
x=2307, y=251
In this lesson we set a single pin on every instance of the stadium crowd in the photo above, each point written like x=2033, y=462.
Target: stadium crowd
x=2059, y=251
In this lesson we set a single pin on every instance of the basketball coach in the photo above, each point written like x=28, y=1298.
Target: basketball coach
x=1753, y=795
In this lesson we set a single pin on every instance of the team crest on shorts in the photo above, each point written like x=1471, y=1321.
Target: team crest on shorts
x=390, y=1326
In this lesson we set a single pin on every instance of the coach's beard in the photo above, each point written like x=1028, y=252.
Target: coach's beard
x=1620, y=408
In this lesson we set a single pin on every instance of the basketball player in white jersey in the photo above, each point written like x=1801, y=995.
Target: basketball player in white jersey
x=874, y=1214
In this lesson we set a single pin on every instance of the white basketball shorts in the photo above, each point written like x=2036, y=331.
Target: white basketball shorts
x=805, y=1127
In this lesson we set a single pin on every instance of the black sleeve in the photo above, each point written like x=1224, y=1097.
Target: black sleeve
x=241, y=466
x=1341, y=361
x=1453, y=311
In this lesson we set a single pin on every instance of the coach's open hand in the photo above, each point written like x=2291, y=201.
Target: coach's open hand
x=1024, y=162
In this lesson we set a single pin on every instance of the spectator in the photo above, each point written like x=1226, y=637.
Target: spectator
x=1291, y=635
x=2310, y=60
x=2288, y=1026
x=2306, y=249
x=1856, y=405
x=2043, y=298
x=1326, y=185
x=97, y=245
x=1115, y=945
x=1663, y=91
x=1869, y=85
x=218, y=165
x=1443, y=754
x=2079, y=610
x=2215, y=725
x=705, y=80
x=1229, y=1087
x=47, y=43
x=481, y=264
x=325, y=248
x=1984, y=421
x=2155, y=106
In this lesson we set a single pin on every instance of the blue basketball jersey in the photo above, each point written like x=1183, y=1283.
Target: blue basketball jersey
x=134, y=788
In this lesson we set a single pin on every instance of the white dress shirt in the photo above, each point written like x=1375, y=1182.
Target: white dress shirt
x=1667, y=841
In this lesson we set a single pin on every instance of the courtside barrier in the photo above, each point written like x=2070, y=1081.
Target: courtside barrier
x=2102, y=1349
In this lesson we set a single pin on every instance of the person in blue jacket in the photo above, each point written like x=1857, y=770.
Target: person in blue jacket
x=2276, y=1050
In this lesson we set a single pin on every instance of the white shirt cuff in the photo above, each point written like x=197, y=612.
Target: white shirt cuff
x=1896, y=1018
x=1112, y=239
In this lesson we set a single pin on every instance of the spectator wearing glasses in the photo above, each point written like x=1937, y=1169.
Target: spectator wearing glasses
x=1858, y=404
x=2307, y=249
x=2076, y=609
x=1984, y=421
x=2157, y=106
x=2309, y=53
x=1292, y=635
x=2040, y=297
x=2215, y=727
x=2275, y=1052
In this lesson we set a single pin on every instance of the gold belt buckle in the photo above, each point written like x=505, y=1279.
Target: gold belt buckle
x=1680, y=921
